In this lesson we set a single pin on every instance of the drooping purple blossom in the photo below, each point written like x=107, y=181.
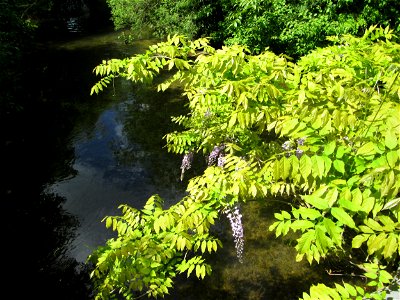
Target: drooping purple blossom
x=221, y=160
x=235, y=219
x=213, y=158
x=186, y=163
x=299, y=153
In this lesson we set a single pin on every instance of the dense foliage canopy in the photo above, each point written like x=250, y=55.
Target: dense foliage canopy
x=290, y=27
x=322, y=133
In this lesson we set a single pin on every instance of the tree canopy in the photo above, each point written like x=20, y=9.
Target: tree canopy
x=290, y=27
x=323, y=133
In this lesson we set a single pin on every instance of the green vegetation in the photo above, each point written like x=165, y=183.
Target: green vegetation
x=322, y=134
x=290, y=27
x=296, y=27
x=161, y=18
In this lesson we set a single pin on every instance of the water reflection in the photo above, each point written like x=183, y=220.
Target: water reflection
x=46, y=105
x=37, y=230
x=119, y=160
x=74, y=24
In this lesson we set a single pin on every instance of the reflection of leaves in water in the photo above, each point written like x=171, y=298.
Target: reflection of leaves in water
x=39, y=233
x=148, y=120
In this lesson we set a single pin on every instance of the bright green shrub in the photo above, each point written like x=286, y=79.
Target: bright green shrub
x=323, y=132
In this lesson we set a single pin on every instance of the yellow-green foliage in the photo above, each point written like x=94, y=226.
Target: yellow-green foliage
x=324, y=132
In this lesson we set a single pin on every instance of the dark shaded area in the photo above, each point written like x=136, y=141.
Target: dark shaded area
x=38, y=230
x=39, y=107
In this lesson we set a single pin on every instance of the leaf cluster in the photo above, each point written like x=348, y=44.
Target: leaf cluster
x=324, y=133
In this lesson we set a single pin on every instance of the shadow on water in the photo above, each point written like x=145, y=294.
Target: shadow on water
x=37, y=229
x=43, y=105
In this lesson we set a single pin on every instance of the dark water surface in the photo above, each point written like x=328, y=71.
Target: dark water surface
x=70, y=159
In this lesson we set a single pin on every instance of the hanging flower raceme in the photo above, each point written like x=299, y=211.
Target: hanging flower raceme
x=217, y=156
x=235, y=219
x=186, y=163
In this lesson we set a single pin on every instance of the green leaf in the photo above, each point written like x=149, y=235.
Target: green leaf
x=305, y=166
x=357, y=196
x=343, y=217
x=391, y=246
x=339, y=166
x=352, y=291
x=391, y=139
x=392, y=203
x=358, y=240
x=349, y=205
x=209, y=246
x=288, y=125
x=368, y=204
x=329, y=148
x=203, y=247
x=278, y=216
x=366, y=149
x=323, y=242
x=334, y=231
x=232, y=120
x=317, y=166
x=392, y=159
x=285, y=168
x=374, y=225
x=305, y=241
x=295, y=165
x=340, y=151
x=385, y=276
x=317, y=202
x=109, y=222
x=343, y=292
x=309, y=213
x=375, y=242
x=328, y=164
x=198, y=271
x=331, y=196
x=286, y=215
x=301, y=225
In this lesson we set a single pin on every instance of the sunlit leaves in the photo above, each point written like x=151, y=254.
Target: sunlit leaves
x=343, y=217
x=381, y=236
x=149, y=240
x=320, y=134
x=391, y=140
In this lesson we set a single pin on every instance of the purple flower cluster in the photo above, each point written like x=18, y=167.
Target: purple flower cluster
x=300, y=141
x=299, y=153
x=288, y=146
x=186, y=163
x=235, y=218
x=221, y=161
x=217, y=156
